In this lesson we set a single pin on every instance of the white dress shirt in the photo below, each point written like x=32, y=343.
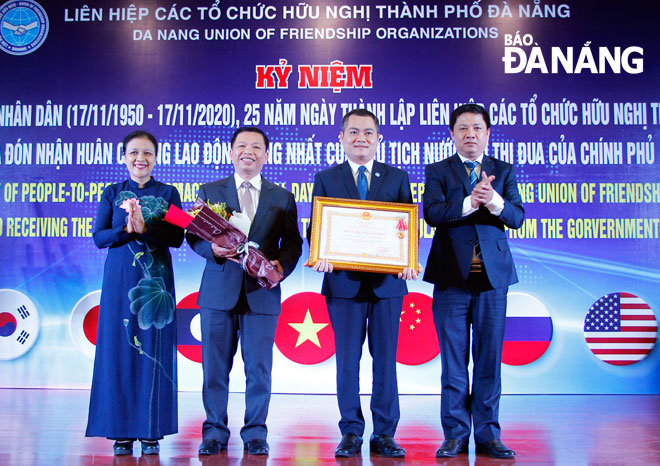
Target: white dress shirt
x=254, y=193
x=496, y=204
x=355, y=167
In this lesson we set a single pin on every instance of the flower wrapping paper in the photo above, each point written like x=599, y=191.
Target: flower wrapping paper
x=213, y=228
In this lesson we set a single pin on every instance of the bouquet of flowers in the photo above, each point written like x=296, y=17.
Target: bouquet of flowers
x=215, y=224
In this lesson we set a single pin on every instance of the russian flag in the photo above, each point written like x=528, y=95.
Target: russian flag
x=528, y=330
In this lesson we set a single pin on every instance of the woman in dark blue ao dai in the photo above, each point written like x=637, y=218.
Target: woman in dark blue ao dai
x=134, y=388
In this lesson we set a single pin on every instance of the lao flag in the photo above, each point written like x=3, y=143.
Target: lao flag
x=528, y=331
x=620, y=329
x=188, y=329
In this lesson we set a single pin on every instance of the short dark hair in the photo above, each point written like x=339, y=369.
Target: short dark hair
x=248, y=129
x=362, y=112
x=139, y=134
x=468, y=108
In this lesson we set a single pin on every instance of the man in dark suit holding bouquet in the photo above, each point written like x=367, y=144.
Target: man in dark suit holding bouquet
x=233, y=306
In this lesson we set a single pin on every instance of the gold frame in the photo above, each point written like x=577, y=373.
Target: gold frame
x=411, y=210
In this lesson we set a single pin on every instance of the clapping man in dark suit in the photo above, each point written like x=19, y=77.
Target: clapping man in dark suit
x=361, y=303
x=470, y=198
x=233, y=307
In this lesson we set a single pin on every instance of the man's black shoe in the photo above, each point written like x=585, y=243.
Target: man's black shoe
x=496, y=449
x=257, y=447
x=349, y=446
x=209, y=447
x=450, y=448
x=386, y=446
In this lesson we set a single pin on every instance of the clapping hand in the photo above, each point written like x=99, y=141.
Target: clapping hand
x=135, y=221
x=483, y=191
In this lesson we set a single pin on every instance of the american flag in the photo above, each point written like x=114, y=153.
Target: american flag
x=620, y=329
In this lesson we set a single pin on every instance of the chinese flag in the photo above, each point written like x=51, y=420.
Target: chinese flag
x=418, y=340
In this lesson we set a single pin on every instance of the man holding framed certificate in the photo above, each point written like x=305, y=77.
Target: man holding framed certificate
x=364, y=303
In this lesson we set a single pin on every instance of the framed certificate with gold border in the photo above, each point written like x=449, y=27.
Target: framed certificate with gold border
x=365, y=236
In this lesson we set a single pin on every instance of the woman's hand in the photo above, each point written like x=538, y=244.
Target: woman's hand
x=137, y=220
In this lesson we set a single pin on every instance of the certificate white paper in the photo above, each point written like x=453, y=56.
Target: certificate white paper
x=364, y=235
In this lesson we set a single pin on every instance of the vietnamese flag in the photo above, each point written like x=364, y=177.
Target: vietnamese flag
x=304, y=334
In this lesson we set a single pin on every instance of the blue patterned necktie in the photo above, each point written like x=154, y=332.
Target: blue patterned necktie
x=473, y=172
x=476, y=266
x=362, y=185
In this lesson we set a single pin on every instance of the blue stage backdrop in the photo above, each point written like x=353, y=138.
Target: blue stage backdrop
x=572, y=87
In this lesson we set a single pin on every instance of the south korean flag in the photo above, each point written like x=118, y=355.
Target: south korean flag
x=19, y=324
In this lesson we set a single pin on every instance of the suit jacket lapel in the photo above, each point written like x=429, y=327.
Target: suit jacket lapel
x=488, y=166
x=229, y=194
x=265, y=200
x=346, y=175
x=461, y=172
x=377, y=176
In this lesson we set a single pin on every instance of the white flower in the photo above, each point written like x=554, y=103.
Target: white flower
x=241, y=221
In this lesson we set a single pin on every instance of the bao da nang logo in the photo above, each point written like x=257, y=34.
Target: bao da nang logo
x=23, y=27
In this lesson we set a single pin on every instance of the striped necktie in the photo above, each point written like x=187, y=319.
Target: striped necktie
x=473, y=172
